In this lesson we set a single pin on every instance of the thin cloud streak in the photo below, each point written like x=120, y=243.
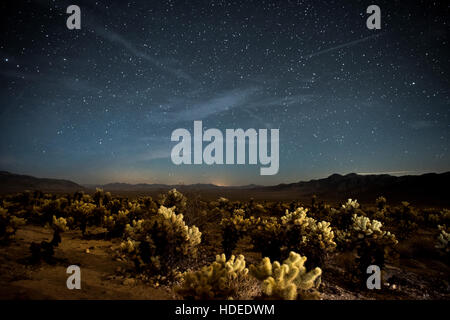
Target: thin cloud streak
x=118, y=39
x=345, y=45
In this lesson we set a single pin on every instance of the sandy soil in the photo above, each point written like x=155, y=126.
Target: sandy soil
x=102, y=276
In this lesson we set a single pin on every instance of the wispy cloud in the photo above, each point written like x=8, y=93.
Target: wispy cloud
x=181, y=110
x=116, y=38
x=345, y=45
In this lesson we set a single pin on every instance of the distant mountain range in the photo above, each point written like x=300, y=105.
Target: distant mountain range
x=429, y=189
x=10, y=182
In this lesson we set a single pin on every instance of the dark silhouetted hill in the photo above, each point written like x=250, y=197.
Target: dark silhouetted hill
x=10, y=182
x=426, y=189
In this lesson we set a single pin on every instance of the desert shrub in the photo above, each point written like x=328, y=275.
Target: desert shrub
x=373, y=245
x=156, y=244
x=46, y=249
x=219, y=280
x=287, y=281
x=8, y=225
x=443, y=239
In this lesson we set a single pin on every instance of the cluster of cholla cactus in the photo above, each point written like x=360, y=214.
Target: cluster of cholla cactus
x=101, y=198
x=443, y=239
x=407, y=220
x=267, y=237
x=81, y=214
x=8, y=225
x=381, y=213
x=372, y=243
x=308, y=236
x=341, y=218
x=275, y=237
x=157, y=243
x=219, y=280
x=46, y=249
x=116, y=223
x=436, y=217
x=287, y=281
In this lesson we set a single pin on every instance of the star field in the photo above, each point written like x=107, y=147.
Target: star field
x=99, y=104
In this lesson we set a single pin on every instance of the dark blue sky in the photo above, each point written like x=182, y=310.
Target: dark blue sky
x=99, y=104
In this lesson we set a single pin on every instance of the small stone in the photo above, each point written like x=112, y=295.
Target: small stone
x=87, y=251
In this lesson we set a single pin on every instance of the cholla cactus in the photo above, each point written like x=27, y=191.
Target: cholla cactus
x=268, y=238
x=381, y=203
x=82, y=214
x=101, y=198
x=223, y=200
x=220, y=280
x=312, y=238
x=59, y=224
x=350, y=205
x=287, y=281
x=8, y=225
x=116, y=223
x=342, y=218
x=43, y=213
x=443, y=239
x=156, y=243
x=46, y=249
x=174, y=198
x=407, y=220
x=233, y=228
x=373, y=244
x=441, y=217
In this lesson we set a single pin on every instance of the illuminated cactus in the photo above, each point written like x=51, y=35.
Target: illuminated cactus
x=443, y=239
x=373, y=244
x=306, y=235
x=342, y=218
x=287, y=281
x=220, y=280
x=174, y=198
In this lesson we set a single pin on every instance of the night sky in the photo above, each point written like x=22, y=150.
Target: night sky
x=99, y=104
